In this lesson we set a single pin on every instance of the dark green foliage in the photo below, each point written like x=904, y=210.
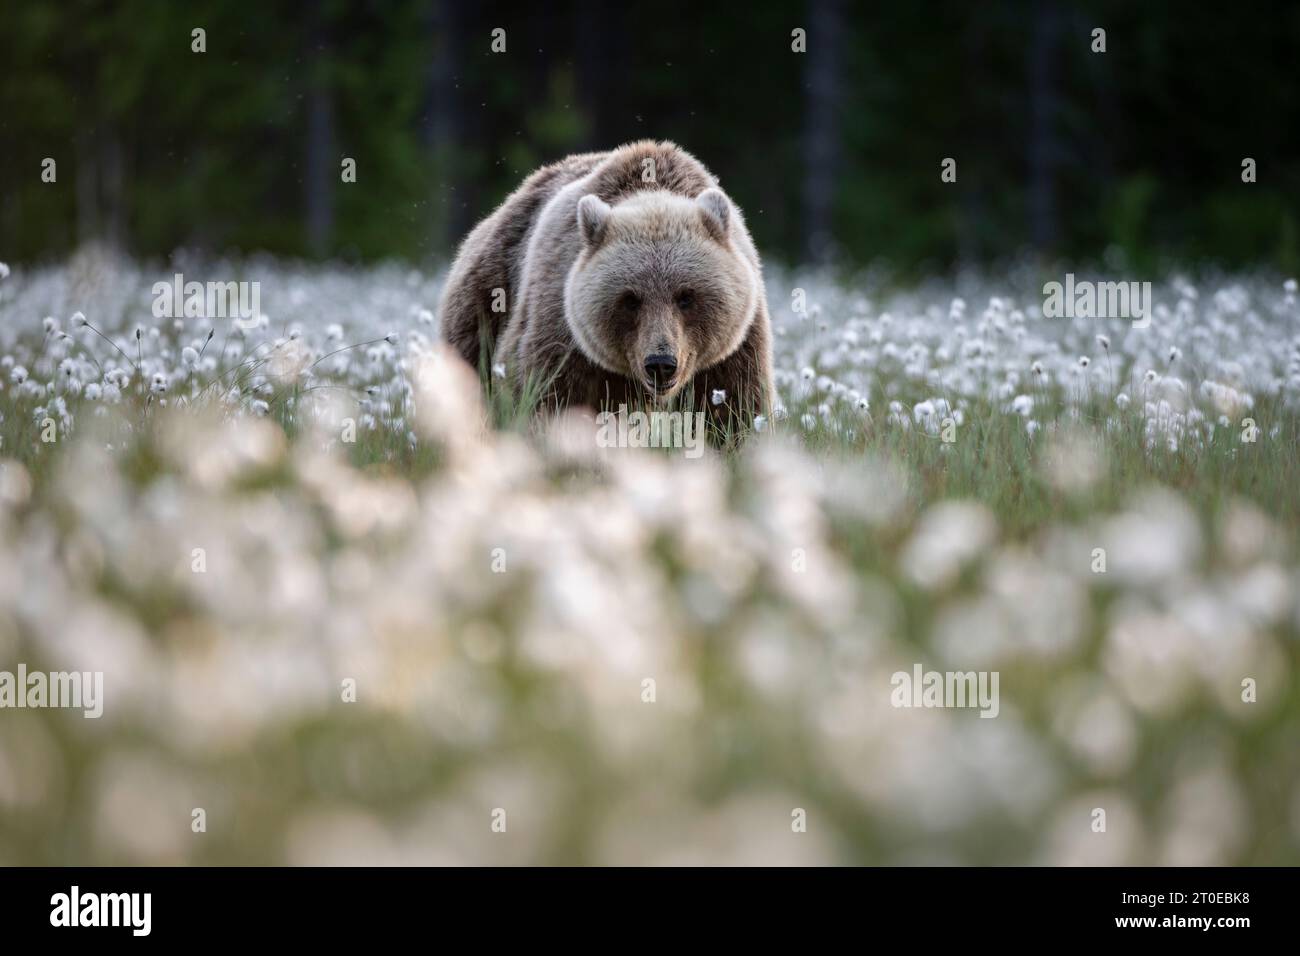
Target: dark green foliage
x=1133, y=154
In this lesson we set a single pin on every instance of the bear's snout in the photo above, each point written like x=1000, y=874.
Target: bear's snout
x=660, y=370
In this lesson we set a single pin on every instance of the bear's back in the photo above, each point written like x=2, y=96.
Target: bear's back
x=648, y=165
x=500, y=242
x=519, y=214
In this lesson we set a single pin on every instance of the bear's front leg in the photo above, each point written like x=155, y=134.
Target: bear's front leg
x=739, y=387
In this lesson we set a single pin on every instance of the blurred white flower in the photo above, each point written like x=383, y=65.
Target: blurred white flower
x=949, y=534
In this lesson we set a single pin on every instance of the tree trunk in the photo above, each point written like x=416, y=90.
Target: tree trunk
x=1043, y=150
x=825, y=35
x=323, y=160
x=444, y=125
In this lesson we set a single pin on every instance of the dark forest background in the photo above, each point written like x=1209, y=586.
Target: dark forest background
x=1133, y=156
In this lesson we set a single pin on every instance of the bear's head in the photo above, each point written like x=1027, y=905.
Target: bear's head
x=661, y=289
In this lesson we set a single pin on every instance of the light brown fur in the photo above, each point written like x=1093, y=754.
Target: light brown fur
x=663, y=267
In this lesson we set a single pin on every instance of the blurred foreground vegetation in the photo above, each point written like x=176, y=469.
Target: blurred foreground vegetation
x=448, y=642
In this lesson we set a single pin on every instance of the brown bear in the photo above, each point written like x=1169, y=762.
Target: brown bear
x=618, y=277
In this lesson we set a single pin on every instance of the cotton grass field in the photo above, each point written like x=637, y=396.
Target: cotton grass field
x=347, y=612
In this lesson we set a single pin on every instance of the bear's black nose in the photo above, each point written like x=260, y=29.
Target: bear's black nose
x=660, y=368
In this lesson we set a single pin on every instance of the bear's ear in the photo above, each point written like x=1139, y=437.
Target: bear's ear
x=593, y=215
x=715, y=210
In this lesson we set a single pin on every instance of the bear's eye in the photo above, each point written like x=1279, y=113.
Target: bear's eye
x=685, y=299
x=629, y=302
